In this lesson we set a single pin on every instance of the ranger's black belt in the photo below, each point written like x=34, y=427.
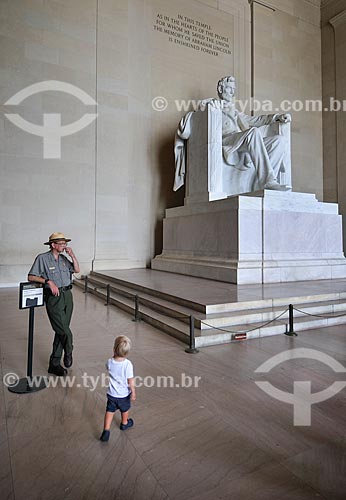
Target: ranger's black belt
x=65, y=288
x=48, y=291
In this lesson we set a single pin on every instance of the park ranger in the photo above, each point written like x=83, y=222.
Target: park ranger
x=54, y=269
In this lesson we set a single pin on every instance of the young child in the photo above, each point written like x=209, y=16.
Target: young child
x=121, y=389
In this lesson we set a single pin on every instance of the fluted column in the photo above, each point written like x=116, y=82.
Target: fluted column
x=339, y=24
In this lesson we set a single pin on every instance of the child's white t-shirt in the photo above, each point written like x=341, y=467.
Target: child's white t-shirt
x=119, y=372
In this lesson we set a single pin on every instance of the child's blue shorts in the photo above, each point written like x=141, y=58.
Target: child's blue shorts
x=122, y=404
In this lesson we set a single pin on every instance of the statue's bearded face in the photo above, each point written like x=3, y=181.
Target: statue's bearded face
x=228, y=91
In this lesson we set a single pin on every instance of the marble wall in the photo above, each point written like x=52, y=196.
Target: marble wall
x=287, y=70
x=43, y=41
x=109, y=189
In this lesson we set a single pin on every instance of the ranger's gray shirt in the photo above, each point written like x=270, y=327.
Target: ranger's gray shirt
x=59, y=271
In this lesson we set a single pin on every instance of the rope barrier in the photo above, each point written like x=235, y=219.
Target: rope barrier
x=132, y=295
x=95, y=288
x=247, y=331
x=98, y=286
x=180, y=316
x=78, y=279
x=319, y=315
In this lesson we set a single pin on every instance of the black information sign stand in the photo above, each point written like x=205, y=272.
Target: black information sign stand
x=30, y=296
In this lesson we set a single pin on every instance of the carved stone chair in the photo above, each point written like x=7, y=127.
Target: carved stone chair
x=208, y=177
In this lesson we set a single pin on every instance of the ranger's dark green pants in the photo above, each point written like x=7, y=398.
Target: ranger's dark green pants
x=59, y=310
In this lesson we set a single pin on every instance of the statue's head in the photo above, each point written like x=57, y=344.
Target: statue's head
x=226, y=85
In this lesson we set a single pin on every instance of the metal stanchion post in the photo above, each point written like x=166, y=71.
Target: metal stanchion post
x=137, y=315
x=108, y=294
x=291, y=332
x=86, y=284
x=192, y=348
x=30, y=342
x=28, y=384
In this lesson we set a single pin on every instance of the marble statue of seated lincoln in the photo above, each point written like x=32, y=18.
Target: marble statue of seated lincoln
x=245, y=153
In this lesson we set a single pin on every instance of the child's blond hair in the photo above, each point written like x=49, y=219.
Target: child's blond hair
x=122, y=346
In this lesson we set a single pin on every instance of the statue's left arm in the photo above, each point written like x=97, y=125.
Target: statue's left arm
x=258, y=121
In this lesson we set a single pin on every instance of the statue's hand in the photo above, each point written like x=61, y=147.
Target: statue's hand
x=285, y=118
x=202, y=106
x=214, y=103
x=217, y=103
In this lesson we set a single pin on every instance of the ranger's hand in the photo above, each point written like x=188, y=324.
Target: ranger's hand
x=54, y=289
x=69, y=251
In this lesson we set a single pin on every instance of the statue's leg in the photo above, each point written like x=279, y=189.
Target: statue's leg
x=276, y=148
x=254, y=145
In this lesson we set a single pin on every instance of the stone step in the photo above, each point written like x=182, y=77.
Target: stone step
x=156, y=293
x=241, y=316
x=214, y=309
x=265, y=314
x=253, y=323
x=155, y=302
x=234, y=333
x=172, y=326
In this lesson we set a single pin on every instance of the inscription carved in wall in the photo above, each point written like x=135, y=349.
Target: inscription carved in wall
x=192, y=33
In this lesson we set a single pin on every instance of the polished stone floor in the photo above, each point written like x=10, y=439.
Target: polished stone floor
x=222, y=439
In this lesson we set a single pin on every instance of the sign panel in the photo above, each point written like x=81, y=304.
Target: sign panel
x=30, y=295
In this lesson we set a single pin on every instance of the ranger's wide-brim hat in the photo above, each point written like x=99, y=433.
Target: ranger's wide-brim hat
x=56, y=237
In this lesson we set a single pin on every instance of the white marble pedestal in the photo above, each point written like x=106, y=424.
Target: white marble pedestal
x=261, y=237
